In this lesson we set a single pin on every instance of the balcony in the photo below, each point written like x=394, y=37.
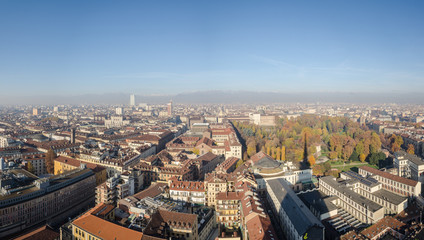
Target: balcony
x=227, y=207
x=224, y=214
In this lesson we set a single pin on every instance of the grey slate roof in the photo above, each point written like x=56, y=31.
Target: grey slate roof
x=301, y=217
x=389, y=196
x=267, y=162
x=318, y=201
x=369, y=181
x=341, y=187
x=413, y=158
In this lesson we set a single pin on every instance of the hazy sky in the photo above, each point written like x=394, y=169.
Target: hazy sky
x=67, y=47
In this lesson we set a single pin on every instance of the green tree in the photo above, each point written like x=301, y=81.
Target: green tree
x=354, y=157
x=375, y=158
x=327, y=166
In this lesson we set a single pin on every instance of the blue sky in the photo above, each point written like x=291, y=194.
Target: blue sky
x=165, y=47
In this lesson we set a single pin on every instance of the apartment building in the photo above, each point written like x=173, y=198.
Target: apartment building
x=225, y=136
x=38, y=162
x=409, y=166
x=63, y=164
x=116, y=121
x=187, y=191
x=393, y=183
x=6, y=141
x=228, y=208
x=227, y=166
x=215, y=183
x=170, y=224
x=254, y=220
x=94, y=225
x=113, y=189
x=207, y=163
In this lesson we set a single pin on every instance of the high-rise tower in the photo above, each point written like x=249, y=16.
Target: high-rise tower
x=72, y=135
x=170, y=108
x=132, y=100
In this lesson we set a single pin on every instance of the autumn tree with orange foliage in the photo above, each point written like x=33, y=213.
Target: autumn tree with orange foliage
x=311, y=160
x=50, y=156
x=411, y=149
x=318, y=170
x=339, y=137
x=395, y=142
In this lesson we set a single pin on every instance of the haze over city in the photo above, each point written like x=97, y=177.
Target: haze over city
x=67, y=49
x=211, y=120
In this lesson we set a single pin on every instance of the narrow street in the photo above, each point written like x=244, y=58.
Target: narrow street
x=274, y=221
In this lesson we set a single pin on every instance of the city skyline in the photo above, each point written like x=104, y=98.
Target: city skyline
x=66, y=49
x=211, y=120
x=218, y=97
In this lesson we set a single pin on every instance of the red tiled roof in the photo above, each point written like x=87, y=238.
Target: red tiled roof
x=42, y=233
x=387, y=175
x=102, y=210
x=229, y=196
x=221, y=131
x=206, y=141
x=76, y=163
x=209, y=156
x=147, y=237
x=352, y=235
x=386, y=222
x=260, y=228
x=105, y=229
x=152, y=191
x=174, y=219
x=187, y=186
x=228, y=163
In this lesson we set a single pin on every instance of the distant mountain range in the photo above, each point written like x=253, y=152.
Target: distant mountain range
x=220, y=97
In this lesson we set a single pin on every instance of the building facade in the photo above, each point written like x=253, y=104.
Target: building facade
x=47, y=199
x=409, y=166
x=294, y=218
x=364, y=210
x=187, y=191
x=393, y=183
